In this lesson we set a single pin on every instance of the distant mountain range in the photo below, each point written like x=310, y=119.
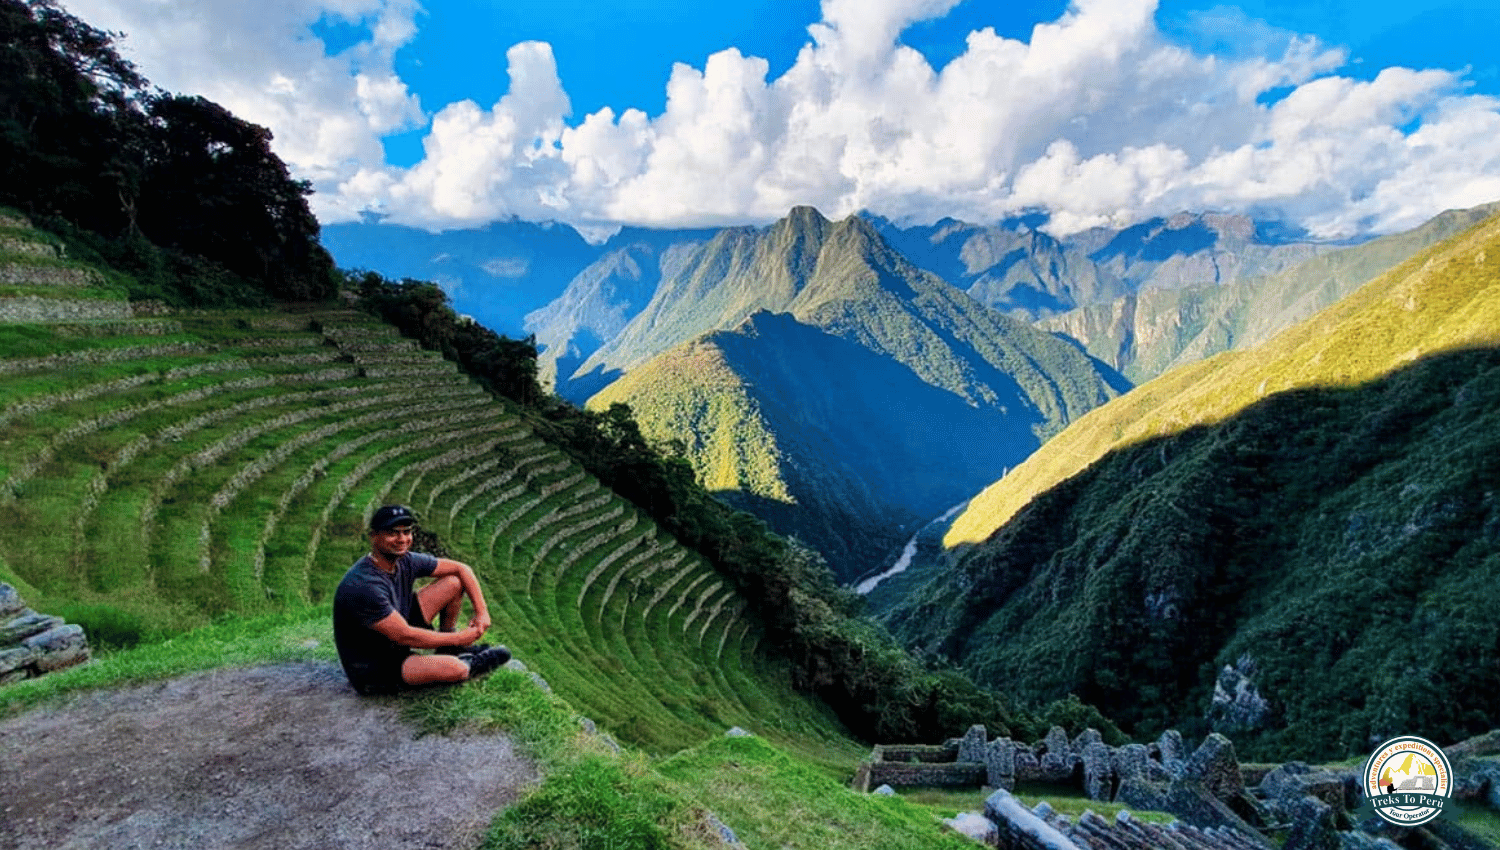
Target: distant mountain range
x=1146, y=332
x=1015, y=267
x=497, y=273
x=1295, y=543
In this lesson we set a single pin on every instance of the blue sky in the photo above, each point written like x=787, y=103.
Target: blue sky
x=1344, y=117
x=619, y=54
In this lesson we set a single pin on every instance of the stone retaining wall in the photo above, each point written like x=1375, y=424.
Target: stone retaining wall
x=28, y=308
x=12, y=244
x=37, y=274
x=917, y=766
x=33, y=644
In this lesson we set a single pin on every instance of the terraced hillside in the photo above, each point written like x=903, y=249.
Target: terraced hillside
x=171, y=470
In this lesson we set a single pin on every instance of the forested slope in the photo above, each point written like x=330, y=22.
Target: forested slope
x=1296, y=543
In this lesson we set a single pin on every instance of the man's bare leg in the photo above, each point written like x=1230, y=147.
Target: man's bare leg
x=433, y=670
x=445, y=596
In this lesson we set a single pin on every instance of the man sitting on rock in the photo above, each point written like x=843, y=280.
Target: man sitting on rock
x=379, y=618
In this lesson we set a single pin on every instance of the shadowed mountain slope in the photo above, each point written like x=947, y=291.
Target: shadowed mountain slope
x=1444, y=298
x=1296, y=542
x=1314, y=573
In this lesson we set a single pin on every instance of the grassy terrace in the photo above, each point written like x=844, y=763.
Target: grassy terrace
x=158, y=483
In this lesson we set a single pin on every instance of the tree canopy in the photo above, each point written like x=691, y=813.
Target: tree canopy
x=86, y=143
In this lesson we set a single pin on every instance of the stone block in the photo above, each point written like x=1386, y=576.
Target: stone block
x=1296, y=779
x=1057, y=741
x=10, y=602
x=1000, y=763
x=1141, y=794
x=1098, y=771
x=1028, y=766
x=1086, y=737
x=971, y=746
x=973, y=825
x=1312, y=826
x=15, y=659
x=1019, y=826
x=63, y=646
x=1057, y=767
x=28, y=624
x=1130, y=761
x=1215, y=765
x=1172, y=751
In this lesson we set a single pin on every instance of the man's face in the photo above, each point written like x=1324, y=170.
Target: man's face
x=392, y=543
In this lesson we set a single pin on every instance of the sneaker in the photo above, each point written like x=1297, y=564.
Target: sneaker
x=471, y=649
x=485, y=661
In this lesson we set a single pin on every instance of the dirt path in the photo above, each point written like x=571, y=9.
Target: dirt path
x=277, y=757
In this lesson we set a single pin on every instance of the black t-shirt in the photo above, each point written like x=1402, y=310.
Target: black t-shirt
x=367, y=595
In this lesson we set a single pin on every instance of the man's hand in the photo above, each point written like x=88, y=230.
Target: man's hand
x=472, y=634
x=481, y=622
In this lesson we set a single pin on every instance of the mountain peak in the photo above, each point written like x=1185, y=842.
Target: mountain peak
x=806, y=216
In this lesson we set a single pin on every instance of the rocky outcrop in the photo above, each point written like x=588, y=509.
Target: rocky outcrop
x=1237, y=704
x=33, y=644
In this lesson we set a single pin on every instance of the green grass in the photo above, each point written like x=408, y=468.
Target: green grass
x=772, y=800
x=117, y=523
x=1480, y=821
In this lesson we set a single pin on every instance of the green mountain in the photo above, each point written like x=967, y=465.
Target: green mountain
x=825, y=439
x=985, y=388
x=1145, y=333
x=1295, y=542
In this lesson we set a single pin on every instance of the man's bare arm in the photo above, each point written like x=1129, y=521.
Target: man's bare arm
x=395, y=628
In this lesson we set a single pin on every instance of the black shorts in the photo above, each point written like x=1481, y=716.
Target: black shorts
x=383, y=677
x=379, y=677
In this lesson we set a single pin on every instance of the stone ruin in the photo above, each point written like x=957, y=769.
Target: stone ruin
x=33, y=644
x=1219, y=803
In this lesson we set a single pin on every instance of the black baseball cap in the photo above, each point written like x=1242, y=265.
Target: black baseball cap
x=392, y=516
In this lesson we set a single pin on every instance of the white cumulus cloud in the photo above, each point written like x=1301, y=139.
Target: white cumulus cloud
x=1098, y=117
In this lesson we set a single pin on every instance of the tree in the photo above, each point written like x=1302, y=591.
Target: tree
x=68, y=105
x=214, y=188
